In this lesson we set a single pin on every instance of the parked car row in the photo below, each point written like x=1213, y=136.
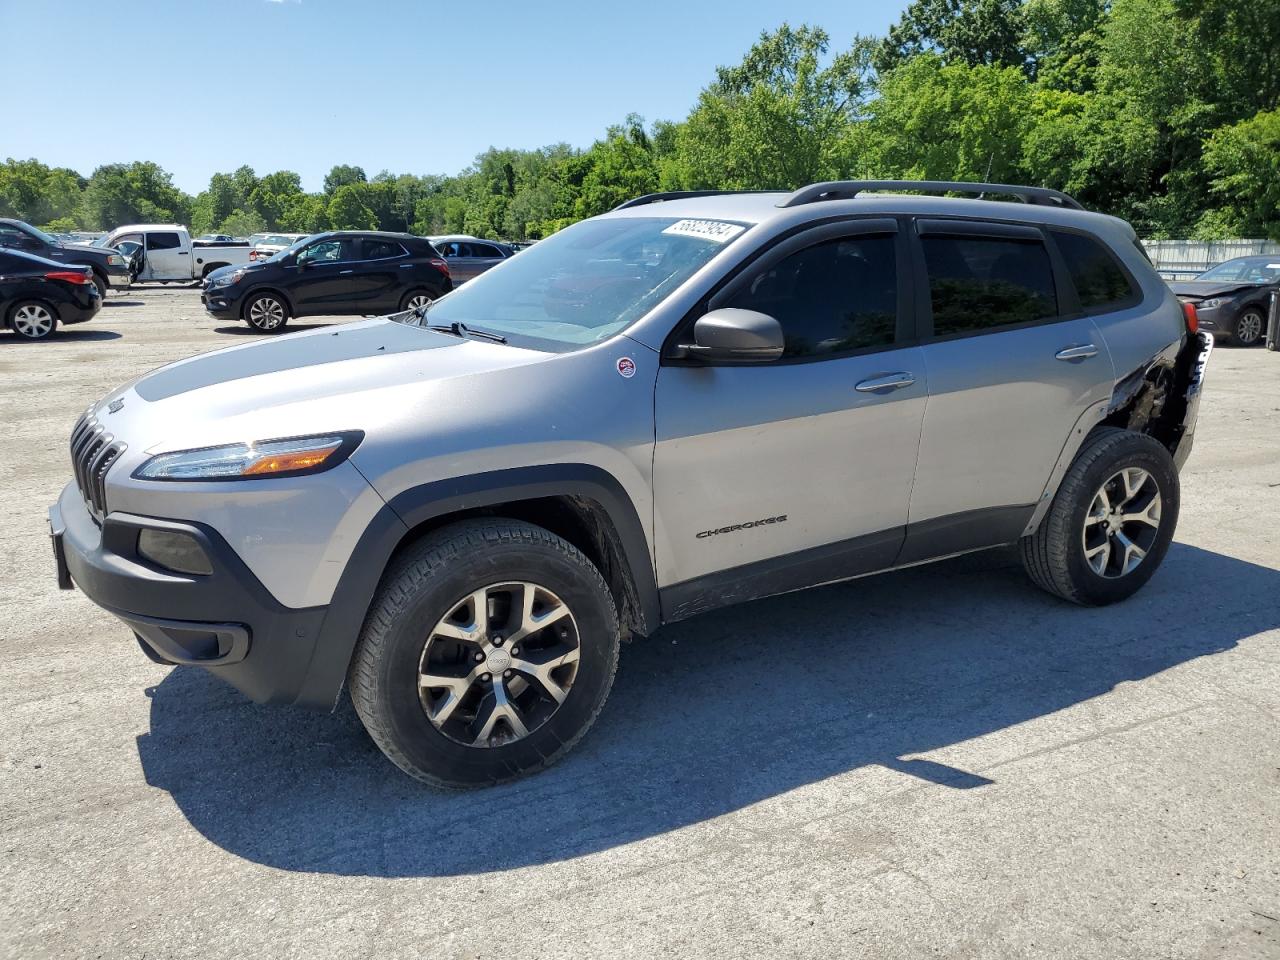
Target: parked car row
x=271, y=277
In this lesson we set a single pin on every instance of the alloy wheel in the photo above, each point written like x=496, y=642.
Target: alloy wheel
x=416, y=301
x=33, y=321
x=499, y=664
x=1249, y=328
x=1122, y=523
x=266, y=313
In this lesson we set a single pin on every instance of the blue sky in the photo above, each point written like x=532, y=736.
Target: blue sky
x=205, y=85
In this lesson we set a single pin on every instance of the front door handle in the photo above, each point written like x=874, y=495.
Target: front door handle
x=890, y=381
x=1077, y=353
x=344, y=271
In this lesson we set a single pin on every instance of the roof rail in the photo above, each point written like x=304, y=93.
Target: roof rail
x=848, y=189
x=677, y=195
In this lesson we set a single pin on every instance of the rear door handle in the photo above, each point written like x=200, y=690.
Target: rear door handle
x=1077, y=353
x=890, y=381
x=344, y=271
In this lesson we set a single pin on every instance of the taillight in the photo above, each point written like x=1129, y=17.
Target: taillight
x=68, y=276
x=1191, y=317
x=440, y=265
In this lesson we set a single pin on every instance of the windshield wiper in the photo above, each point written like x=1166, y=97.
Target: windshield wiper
x=460, y=329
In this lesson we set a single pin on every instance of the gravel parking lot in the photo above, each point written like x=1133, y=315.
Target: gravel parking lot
x=938, y=762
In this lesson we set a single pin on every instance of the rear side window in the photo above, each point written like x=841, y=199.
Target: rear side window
x=163, y=241
x=979, y=283
x=485, y=250
x=1100, y=282
x=833, y=297
x=382, y=250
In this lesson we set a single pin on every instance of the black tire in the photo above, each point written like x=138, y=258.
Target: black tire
x=1054, y=555
x=102, y=287
x=419, y=590
x=266, y=312
x=406, y=302
x=32, y=320
x=1250, y=327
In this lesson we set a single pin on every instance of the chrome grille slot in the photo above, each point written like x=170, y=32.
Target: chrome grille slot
x=93, y=451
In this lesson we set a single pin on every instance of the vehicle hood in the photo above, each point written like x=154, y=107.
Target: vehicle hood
x=86, y=248
x=248, y=268
x=1201, y=289
x=337, y=378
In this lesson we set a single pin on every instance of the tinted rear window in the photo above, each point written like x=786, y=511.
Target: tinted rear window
x=1100, y=282
x=163, y=241
x=978, y=283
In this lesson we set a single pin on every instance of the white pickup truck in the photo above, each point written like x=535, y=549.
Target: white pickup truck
x=168, y=253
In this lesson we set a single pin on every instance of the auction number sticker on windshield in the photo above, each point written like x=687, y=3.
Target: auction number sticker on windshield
x=717, y=231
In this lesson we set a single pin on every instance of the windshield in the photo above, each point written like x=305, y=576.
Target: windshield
x=586, y=283
x=1246, y=270
x=293, y=247
x=51, y=241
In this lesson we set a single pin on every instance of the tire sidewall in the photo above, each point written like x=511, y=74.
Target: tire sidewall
x=1146, y=454
x=429, y=749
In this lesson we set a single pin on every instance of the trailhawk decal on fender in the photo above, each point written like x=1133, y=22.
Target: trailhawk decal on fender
x=750, y=524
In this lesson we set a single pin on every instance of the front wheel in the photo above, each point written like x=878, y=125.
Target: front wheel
x=1249, y=327
x=266, y=313
x=1110, y=523
x=487, y=653
x=102, y=287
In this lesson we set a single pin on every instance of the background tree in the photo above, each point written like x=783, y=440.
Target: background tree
x=341, y=176
x=348, y=211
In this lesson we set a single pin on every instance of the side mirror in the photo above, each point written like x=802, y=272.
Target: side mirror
x=730, y=335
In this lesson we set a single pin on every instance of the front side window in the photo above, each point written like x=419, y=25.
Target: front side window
x=979, y=283
x=326, y=251
x=586, y=283
x=163, y=241
x=830, y=298
x=1100, y=283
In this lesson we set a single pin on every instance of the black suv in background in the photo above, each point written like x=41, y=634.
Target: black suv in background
x=110, y=268
x=340, y=272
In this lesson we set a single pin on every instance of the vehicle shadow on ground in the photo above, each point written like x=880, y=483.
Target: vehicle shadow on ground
x=244, y=330
x=64, y=335
x=706, y=717
x=124, y=303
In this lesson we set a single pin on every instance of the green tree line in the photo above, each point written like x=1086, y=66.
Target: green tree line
x=1164, y=112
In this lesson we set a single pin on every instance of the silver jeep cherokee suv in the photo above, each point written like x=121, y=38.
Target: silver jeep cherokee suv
x=691, y=401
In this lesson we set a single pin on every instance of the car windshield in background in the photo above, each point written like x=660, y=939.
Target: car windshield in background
x=586, y=283
x=1246, y=270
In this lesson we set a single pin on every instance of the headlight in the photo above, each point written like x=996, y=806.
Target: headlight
x=114, y=261
x=1211, y=303
x=228, y=280
x=291, y=457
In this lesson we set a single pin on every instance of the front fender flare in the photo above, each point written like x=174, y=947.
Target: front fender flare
x=429, y=501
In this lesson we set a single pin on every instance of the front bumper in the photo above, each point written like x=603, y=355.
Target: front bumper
x=222, y=301
x=226, y=622
x=118, y=278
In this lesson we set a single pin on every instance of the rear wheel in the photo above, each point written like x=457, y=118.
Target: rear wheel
x=487, y=654
x=33, y=320
x=266, y=312
x=1110, y=523
x=1249, y=327
x=415, y=299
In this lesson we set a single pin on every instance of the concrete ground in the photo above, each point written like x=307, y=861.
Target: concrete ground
x=938, y=762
